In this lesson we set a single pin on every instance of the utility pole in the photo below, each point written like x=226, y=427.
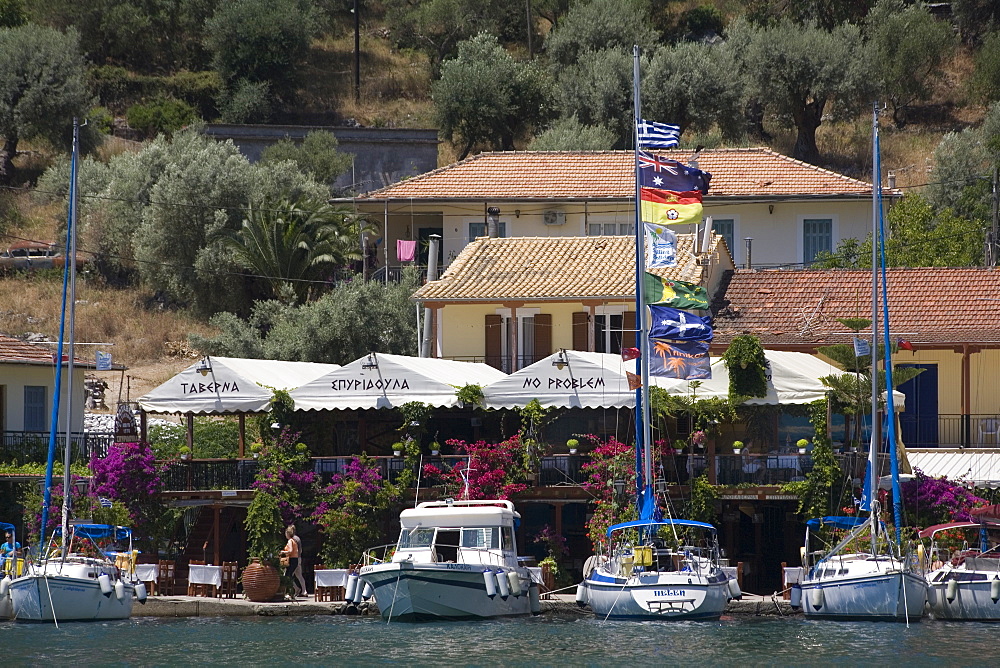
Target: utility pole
x=357, y=52
x=991, y=258
x=531, y=30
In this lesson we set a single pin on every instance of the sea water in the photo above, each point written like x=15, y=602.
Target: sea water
x=540, y=641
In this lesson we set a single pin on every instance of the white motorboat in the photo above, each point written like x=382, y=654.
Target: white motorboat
x=86, y=585
x=453, y=560
x=965, y=586
x=643, y=578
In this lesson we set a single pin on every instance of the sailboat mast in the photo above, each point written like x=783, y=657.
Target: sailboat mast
x=71, y=262
x=874, y=441
x=643, y=428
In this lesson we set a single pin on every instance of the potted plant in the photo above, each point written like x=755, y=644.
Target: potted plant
x=698, y=439
x=572, y=444
x=435, y=449
x=678, y=447
x=185, y=452
x=261, y=579
x=255, y=449
x=737, y=447
x=802, y=444
x=397, y=449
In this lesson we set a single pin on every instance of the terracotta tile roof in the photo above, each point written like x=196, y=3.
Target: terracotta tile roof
x=553, y=269
x=16, y=351
x=930, y=306
x=736, y=173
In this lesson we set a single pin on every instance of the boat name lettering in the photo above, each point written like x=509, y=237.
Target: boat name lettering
x=669, y=592
x=200, y=388
x=355, y=384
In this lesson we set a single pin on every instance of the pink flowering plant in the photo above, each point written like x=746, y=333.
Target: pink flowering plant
x=937, y=500
x=32, y=498
x=286, y=474
x=555, y=544
x=494, y=470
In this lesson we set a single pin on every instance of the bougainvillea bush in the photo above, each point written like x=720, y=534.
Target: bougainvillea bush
x=610, y=461
x=493, y=470
x=286, y=474
x=930, y=501
x=352, y=510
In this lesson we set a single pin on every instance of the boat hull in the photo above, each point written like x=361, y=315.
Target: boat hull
x=658, y=596
x=972, y=602
x=886, y=596
x=74, y=600
x=427, y=592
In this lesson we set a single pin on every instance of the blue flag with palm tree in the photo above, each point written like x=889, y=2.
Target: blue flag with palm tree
x=685, y=360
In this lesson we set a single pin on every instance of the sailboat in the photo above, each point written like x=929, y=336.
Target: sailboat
x=72, y=578
x=880, y=583
x=654, y=567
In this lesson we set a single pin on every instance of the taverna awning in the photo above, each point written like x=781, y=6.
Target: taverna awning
x=979, y=467
x=380, y=380
x=793, y=378
x=216, y=385
x=566, y=379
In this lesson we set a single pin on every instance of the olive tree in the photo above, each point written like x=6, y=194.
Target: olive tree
x=487, y=98
x=597, y=89
x=569, y=134
x=596, y=25
x=42, y=88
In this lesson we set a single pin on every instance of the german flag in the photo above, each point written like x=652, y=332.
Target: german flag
x=665, y=207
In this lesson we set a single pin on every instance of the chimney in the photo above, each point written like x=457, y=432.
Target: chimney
x=891, y=180
x=492, y=222
x=749, y=242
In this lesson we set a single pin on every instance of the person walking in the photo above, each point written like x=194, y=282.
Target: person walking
x=291, y=552
x=299, y=578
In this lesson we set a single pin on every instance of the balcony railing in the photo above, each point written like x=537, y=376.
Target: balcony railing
x=33, y=446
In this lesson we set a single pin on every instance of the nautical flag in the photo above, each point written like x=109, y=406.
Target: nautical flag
x=861, y=347
x=630, y=354
x=669, y=323
x=686, y=360
x=661, y=246
x=905, y=345
x=666, y=174
x=666, y=207
x=868, y=490
x=103, y=361
x=679, y=294
x=105, y=502
x=634, y=380
x=657, y=135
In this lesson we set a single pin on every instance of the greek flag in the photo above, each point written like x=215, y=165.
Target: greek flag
x=657, y=135
x=105, y=502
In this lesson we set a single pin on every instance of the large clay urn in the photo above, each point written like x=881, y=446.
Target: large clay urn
x=260, y=581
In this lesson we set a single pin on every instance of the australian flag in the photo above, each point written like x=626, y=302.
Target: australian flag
x=665, y=174
x=672, y=323
x=657, y=135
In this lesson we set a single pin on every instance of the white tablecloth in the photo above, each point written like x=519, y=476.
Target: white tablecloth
x=209, y=575
x=147, y=572
x=331, y=577
x=536, y=573
x=793, y=575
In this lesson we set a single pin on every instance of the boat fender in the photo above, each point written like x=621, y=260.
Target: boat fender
x=734, y=589
x=995, y=589
x=503, y=584
x=140, y=592
x=359, y=590
x=120, y=590
x=581, y=595
x=352, y=586
x=515, y=584
x=5, y=586
x=817, y=598
x=951, y=590
x=533, y=598
x=796, y=597
x=491, y=583
x=367, y=592
x=105, y=583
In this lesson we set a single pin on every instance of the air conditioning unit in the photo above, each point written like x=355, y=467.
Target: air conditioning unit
x=703, y=261
x=554, y=217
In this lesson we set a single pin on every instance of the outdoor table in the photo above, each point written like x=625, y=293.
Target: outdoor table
x=206, y=575
x=330, y=584
x=536, y=573
x=147, y=572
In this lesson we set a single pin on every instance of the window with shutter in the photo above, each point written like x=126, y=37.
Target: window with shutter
x=581, y=322
x=543, y=336
x=494, y=344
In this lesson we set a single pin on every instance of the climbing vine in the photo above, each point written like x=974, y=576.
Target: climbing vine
x=747, y=368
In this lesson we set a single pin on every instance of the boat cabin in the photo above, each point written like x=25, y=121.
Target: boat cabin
x=459, y=532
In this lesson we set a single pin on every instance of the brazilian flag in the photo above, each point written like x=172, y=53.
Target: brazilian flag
x=678, y=294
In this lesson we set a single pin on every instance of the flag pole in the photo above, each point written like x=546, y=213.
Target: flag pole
x=643, y=428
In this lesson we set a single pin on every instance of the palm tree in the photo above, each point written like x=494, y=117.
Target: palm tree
x=289, y=243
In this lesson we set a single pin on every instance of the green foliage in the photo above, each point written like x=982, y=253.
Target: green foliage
x=597, y=89
x=471, y=395
x=827, y=13
x=747, y=368
x=908, y=47
x=351, y=320
x=214, y=438
x=246, y=101
x=974, y=18
x=569, y=134
x=261, y=41
x=42, y=88
x=120, y=88
x=699, y=22
x=701, y=506
x=984, y=83
x=162, y=116
x=596, y=25
x=12, y=13
x=264, y=526
x=517, y=99
x=316, y=155
x=798, y=70
x=818, y=493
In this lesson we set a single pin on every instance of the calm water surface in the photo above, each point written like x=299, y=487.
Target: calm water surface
x=536, y=641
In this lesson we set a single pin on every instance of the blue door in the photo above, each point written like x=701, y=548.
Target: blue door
x=919, y=421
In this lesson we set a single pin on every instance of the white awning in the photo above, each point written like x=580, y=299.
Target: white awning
x=566, y=379
x=387, y=381
x=980, y=467
x=229, y=385
x=793, y=378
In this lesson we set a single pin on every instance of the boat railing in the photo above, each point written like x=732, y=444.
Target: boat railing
x=483, y=555
x=378, y=555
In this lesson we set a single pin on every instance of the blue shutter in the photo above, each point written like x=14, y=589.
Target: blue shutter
x=34, y=408
x=817, y=236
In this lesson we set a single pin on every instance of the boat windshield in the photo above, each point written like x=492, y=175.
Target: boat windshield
x=419, y=537
x=487, y=538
